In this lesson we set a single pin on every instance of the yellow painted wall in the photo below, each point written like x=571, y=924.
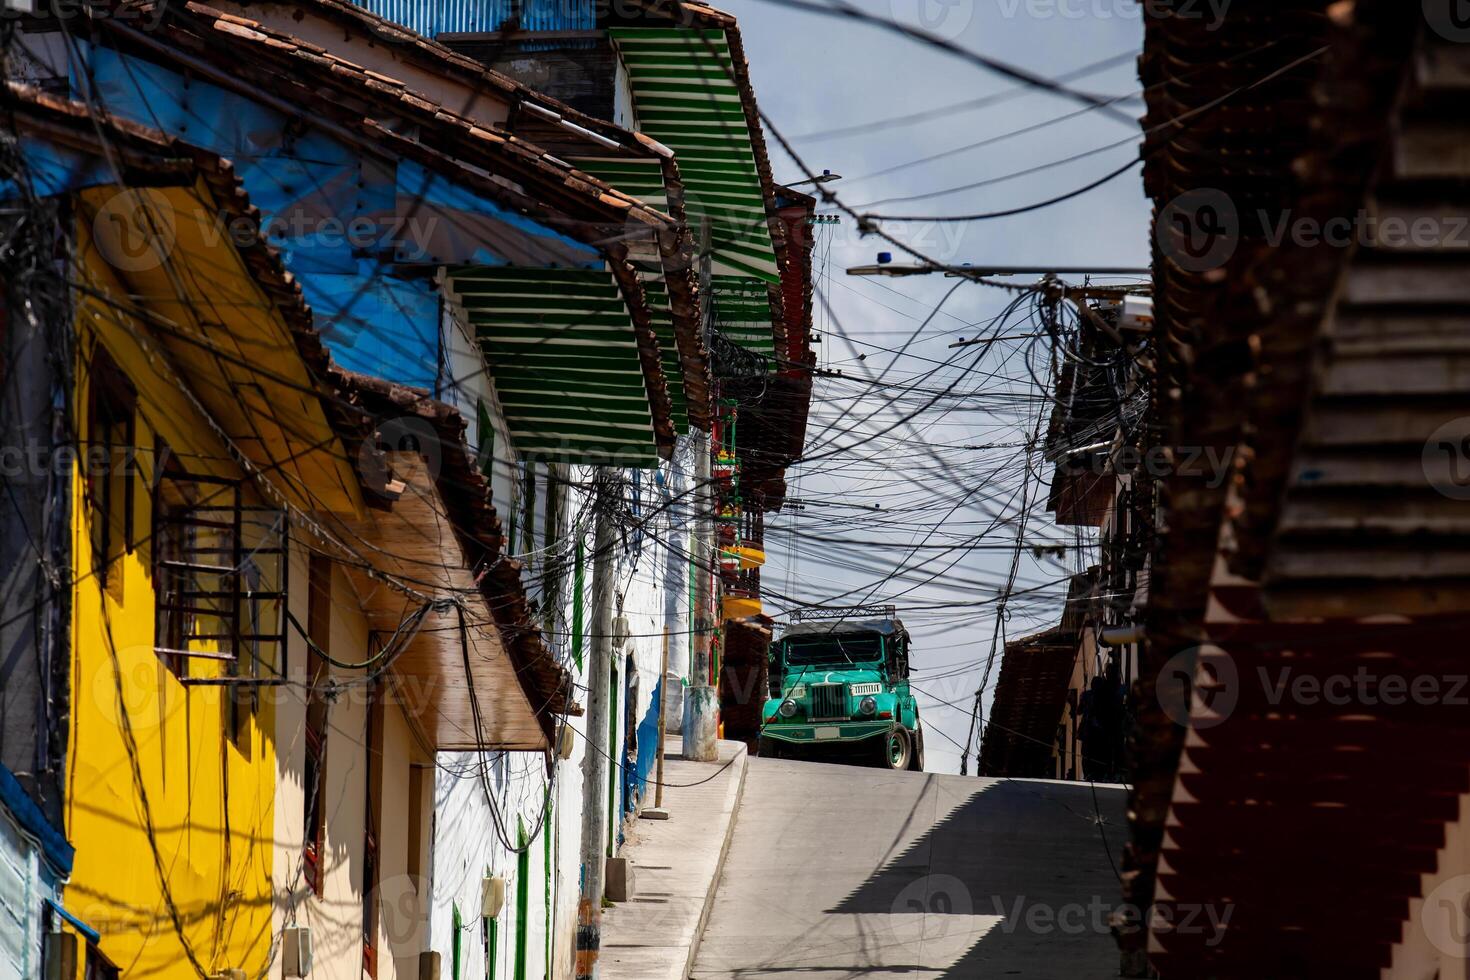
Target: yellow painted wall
x=188, y=844
x=173, y=827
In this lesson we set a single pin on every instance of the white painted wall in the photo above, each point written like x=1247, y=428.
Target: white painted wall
x=652, y=580
x=25, y=885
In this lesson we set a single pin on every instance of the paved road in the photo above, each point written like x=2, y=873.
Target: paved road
x=836, y=873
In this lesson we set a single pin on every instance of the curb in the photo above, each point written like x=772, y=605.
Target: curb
x=736, y=794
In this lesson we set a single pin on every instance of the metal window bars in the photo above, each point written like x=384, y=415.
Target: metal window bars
x=221, y=580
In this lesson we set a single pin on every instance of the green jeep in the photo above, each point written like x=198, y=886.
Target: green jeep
x=840, y=691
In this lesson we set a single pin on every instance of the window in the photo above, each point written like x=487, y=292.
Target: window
x=109, y=466
x=99, y=967
x=220, y=574
x=314, y=780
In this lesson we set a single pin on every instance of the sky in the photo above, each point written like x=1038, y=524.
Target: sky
x=952, y=481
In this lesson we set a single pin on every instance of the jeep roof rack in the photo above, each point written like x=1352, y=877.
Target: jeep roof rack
x=843, y=612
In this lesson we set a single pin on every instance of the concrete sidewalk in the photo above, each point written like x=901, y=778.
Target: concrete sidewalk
x=676, y=864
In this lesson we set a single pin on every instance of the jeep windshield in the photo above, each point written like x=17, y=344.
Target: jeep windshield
x=835, y=649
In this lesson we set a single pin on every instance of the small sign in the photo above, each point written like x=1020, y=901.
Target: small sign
x=828, y=733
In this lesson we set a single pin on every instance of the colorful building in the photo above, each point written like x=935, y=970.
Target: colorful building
x=515, y=299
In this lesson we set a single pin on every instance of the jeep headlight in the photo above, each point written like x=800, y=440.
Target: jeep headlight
x=787, y=709
x=867, y=705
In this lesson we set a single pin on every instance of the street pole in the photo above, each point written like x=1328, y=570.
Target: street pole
x=596, y=759
x=701, y=701
x=657, y=811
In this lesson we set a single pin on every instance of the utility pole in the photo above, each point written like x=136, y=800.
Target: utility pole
x=599, y=710
x=701, y=700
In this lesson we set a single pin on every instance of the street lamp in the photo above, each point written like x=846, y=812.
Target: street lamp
x=826, y=177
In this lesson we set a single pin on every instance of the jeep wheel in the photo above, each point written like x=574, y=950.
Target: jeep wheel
x=917, y=762
x=897, y=749
x=770, y=749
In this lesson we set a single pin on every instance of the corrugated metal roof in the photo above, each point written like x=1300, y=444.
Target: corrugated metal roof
x=686, y=98
x=565, y=357
x=474, y=16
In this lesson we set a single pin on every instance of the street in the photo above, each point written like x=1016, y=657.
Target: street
x=840, y=872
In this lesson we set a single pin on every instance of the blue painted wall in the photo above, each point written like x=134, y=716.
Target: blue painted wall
x=347, y=225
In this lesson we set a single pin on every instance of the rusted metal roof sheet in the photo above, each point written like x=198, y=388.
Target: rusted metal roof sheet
x=480, y=16
x=1026, y=709
x=1324, y=372
x=353, y=404
x=496, y=163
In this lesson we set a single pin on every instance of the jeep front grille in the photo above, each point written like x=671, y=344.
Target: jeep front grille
x=829, y=702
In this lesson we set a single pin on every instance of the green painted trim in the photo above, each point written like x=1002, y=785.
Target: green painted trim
x=549, y=826
x=523, y=901
x=454, y=943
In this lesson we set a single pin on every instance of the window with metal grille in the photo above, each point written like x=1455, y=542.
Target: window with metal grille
x=220, y=575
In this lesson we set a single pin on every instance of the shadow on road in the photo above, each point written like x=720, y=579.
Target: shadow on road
x=1017, y=880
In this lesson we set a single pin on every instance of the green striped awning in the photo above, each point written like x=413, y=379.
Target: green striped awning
x=743, y=311
x=564, y=356
x=644, y=179
x=686, y=98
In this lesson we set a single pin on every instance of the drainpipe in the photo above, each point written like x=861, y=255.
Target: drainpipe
x=596, y=759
